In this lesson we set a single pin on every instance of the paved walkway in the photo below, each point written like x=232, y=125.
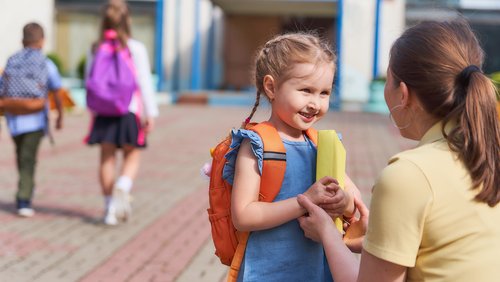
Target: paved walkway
x=168, y=237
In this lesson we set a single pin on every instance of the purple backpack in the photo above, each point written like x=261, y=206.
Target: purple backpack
x=111, y=81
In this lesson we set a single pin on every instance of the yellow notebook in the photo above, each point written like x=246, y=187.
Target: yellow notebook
x=331, y=160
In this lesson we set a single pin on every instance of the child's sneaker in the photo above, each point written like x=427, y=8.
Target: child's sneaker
x=110, y=216
x=24, y=208
x=26, y=212
x=121, y=199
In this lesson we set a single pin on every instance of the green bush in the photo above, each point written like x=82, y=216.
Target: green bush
x=80, y=69
x=57, y=61
x=382, y=79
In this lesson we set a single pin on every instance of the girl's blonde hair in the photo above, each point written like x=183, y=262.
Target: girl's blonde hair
x=279, y=55
x=115, y=16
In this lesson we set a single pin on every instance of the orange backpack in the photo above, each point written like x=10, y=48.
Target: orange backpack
x=229, y=243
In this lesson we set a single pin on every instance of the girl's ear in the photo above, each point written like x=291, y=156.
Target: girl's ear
x=269, y=86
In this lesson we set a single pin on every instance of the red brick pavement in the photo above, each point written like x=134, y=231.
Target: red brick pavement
x=163, y=249
x=167, y=238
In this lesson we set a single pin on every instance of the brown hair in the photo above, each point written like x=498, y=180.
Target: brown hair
x=278, y=56
x=115, y=16
x=32, y=34
x=441, y=62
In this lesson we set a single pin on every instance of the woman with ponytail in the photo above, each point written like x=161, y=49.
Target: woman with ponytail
x=434, y=213
x=127, y=132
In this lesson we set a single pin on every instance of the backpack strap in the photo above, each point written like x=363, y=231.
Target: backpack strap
x=273, y=172
x=232, y=275
x=274, y=161
x=312, y=134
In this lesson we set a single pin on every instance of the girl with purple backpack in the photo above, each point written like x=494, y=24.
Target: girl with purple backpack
x=123, y=131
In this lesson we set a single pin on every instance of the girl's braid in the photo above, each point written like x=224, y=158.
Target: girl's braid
x=254, y=109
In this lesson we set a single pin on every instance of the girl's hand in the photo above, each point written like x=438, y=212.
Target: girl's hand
x=318, y=193
x=355, y=232
x=339, y=202
x=317, y=225
x=149, y=125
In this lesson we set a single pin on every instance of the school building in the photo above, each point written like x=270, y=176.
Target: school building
x=207, y=46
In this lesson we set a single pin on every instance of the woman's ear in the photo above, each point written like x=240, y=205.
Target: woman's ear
x=269, y=86
x=405, y=95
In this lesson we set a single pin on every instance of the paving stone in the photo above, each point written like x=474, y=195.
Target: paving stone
x=168, y=236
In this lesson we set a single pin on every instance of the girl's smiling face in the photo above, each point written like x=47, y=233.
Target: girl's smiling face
x=302, y=99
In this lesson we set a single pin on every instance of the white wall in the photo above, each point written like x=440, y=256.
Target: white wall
x=357, y=49
x=358, y=37
x=179, y=37
x=206, y=9
x=15, y=14
x=218, y=68
x=392, y=25
x=186, y=39
x=169, y=42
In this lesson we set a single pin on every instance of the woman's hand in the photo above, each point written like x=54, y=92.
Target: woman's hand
x=322, y=191
x=317, y=225
x=355, y=232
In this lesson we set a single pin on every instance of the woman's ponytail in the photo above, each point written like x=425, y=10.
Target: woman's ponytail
x=477, y=137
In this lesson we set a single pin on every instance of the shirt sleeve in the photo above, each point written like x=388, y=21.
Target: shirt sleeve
x=237, y=138
x=400, y=202
x=141, y=62
x=88, y=63
x=54, y=79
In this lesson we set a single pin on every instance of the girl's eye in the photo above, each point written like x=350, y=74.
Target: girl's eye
x=325, y=93
x=306, y=90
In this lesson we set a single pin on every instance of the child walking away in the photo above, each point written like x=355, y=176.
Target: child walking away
x=120, y=96
x=295, y=73
x=24, y=84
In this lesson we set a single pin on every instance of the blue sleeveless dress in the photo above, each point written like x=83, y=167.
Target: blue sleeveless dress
x=282, y=253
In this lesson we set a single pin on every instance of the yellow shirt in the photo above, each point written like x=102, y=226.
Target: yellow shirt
x=423, y=215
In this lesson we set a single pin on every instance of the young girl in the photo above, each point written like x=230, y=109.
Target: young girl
x=123, y=132
x=295, y=72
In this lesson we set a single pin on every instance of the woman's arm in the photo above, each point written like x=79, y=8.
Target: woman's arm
x=343, y=265
x=248, y=214
x=318, y=226
x=373, y=268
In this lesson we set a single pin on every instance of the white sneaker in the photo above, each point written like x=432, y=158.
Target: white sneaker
x=121, y=201
x=110, y=217
x=26, y=212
